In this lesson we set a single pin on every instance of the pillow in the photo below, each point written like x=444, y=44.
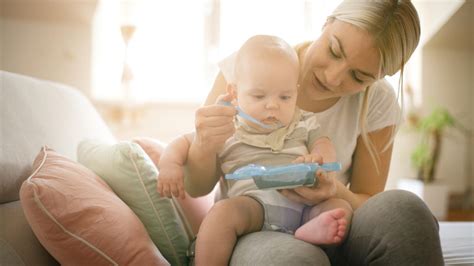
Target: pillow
x=193, y=209
x=153, y=148
x=132, y=175
x=78, y=218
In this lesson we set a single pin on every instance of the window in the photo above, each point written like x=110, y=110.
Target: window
x=175, y=49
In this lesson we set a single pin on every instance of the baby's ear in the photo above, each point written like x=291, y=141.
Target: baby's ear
x=232, y=90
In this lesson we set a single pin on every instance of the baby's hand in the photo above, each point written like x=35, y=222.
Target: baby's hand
x=171, y=181
x=309, y=158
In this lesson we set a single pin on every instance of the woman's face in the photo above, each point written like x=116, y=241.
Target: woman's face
x=343, y=61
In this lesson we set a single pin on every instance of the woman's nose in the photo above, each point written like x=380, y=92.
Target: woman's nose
x=334, y=74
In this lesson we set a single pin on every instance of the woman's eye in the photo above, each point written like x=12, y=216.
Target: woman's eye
x=358, y=80
x=285, y=98
x=333, y=53
x=259, y=97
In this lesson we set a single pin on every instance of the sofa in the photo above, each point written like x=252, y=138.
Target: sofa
x=34, y=113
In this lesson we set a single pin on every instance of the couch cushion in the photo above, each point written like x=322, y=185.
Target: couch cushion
x=18, y=244
x=78, y=218
x=153, y=148
x=194, y=209
x=34, y=113
x=132, y=175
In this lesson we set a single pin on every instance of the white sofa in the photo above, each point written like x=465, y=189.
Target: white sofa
x=34, y=112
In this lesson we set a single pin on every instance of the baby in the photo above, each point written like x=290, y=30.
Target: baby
x=265, y=87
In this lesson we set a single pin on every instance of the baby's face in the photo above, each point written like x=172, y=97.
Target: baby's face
x=267, y=91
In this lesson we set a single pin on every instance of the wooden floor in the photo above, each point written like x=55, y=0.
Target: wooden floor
x=460, y=215
x=461, y=207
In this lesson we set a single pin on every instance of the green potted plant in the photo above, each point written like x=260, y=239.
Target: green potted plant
x=426, y=154
x=425, y=158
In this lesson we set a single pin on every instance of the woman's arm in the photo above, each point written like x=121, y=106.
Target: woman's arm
x=365, y=180
x=214, y=125
x=324, y=147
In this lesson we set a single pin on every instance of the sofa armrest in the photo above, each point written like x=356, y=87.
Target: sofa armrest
x=34, y=113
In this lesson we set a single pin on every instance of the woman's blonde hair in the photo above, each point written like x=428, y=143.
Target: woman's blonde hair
x=395, y=27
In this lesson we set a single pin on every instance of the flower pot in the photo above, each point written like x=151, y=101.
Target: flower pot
x=434, y=194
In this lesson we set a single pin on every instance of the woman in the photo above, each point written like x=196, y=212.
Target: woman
x=341, y=80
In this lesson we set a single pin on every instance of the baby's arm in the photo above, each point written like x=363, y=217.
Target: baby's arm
x=171, y=175
x=323, y=147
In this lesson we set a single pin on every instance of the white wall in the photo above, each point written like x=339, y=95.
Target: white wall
x=52, y=40
x=450, y=85
x=48, y=39
x=444, y=71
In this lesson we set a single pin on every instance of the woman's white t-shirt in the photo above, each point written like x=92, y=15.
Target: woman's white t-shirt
x=341, y=121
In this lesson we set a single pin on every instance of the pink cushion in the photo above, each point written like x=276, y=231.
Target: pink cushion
x=78, y=218
x=193, y=208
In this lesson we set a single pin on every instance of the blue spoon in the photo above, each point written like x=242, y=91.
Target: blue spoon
x=248, y=117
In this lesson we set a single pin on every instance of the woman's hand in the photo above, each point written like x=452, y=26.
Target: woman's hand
x=325, y=188
x=214, y=125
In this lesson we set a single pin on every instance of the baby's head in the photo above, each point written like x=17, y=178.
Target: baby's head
x=266, y=79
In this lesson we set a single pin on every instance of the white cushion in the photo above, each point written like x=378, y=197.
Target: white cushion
x=34, y=113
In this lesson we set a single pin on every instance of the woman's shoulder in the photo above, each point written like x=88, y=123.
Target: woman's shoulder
x=383, y=106
x=383, y=87
x=382, y=92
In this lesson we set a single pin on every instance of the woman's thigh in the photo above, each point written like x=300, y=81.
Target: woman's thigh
x=392, y=228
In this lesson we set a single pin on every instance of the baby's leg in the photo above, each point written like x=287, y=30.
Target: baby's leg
x=326, y=223
x=226, y=221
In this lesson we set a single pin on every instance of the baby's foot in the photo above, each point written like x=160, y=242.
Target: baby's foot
x=327, y=228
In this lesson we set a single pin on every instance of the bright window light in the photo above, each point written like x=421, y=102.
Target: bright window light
x=177, y=44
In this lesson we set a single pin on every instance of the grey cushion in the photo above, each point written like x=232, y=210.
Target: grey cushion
x=18, y=244
x=34, y=113
x=274, y=248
